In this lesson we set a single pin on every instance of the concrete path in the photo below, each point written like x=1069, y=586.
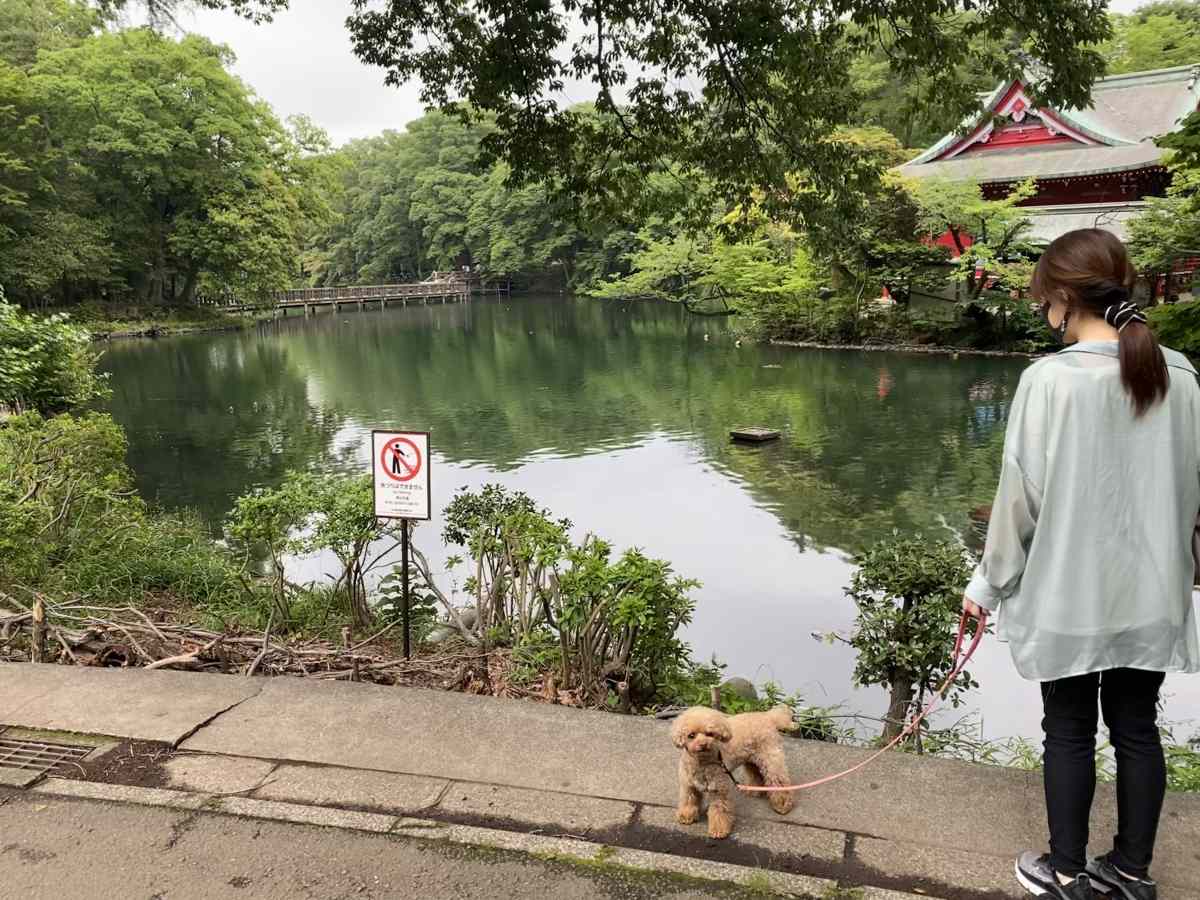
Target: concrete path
x=56, y=849
x=940, y=828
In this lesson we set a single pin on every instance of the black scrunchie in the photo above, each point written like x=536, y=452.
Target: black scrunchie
x=1118, y=315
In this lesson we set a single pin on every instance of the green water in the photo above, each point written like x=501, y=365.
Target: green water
x=616, y=416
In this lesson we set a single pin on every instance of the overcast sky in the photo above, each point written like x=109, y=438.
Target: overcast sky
x=302, y=63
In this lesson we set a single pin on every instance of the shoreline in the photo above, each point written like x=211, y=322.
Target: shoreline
x=157, y=331
x=924, y=349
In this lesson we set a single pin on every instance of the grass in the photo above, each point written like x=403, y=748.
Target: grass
x=837, y=892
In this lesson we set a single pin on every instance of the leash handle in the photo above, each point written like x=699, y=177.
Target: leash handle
x=959, y=664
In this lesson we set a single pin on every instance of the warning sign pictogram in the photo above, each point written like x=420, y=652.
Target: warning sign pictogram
x=401, y=459
x=400, y=474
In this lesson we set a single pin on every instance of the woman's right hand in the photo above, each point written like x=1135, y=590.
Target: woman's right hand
x=973, y=609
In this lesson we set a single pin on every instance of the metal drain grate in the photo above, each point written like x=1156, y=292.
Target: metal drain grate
x=39, y=756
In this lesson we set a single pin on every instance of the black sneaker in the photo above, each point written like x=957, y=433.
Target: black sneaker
x=1039, y=879
x=1107, y=879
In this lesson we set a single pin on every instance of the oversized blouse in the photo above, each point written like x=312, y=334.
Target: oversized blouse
x=1088, y=557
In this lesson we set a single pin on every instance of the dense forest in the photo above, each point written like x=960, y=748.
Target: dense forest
x=137, y=170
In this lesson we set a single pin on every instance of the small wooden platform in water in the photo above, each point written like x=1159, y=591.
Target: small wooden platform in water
x=754, y=435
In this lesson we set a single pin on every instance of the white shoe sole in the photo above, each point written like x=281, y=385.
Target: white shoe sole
x=1035, y=889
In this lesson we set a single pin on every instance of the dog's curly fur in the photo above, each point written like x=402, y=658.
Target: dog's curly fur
x=715, y=745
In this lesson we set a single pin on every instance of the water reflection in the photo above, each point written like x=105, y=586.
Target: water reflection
x=616, y=416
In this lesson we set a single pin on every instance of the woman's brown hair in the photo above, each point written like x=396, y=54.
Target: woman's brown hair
x=1091, y=268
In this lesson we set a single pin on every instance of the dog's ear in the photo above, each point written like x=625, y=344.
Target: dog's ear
x=679, y=732
x=720, y=731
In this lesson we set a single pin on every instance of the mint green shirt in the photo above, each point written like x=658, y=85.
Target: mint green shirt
x=1088, y=556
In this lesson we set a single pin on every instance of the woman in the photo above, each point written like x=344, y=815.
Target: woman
x=1088, y=557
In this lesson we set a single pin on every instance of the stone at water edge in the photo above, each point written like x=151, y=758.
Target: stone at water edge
x=739, y=687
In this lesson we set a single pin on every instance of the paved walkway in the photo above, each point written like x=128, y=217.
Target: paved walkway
x=907, y=824
x=61, y=849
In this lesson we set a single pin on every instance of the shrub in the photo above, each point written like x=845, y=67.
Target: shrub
x=65, y=482
x=311, y=513
x=614, y=621
x=46, y=364
x=909, y=597
x=70, y=520
x=1177, y=326
x=516, y=549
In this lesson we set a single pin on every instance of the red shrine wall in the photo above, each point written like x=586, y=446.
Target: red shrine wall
x=1119, y=187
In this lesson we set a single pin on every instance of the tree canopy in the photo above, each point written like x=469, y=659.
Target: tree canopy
x=1155, y=36
x=739, y=95
x=138, y=167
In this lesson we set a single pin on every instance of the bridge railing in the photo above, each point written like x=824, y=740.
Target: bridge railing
x=351, y=293
x=449, y=287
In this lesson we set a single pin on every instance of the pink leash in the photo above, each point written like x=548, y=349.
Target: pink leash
x=960, y=662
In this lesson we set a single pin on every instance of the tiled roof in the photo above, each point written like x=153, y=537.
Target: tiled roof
x=1141, y=105
x=1126, y=113
x=1058, y=161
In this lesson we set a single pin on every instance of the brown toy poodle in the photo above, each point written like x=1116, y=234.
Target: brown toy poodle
x=714, y=745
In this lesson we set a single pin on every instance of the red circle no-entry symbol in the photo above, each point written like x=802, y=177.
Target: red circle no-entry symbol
x=400, y=459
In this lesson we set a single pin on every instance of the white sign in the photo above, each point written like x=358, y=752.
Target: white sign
x=400, y=474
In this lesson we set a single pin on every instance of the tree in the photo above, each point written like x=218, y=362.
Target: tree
x=138, y=167
x=161, y=13
x=900, y=105
x=410, y=202
x=987, y=234
x=734, y=95
x=909, y=595
x=1155, y=36
x=1170, y=226
x=27, y=26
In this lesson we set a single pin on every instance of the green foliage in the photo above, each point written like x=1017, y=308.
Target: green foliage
x=27, y=26
x=406, y=203
x=140, y=168
x=909, y=596
x=767, y=86
x=162, y=13
x=46, y=364
x=1154, y=36
x=1177, y=326
x=71, y=522
x=308, y=514
x=422, y=608
x=964, y=741
x=1183, y=762
x=1170, y=226
x=997, y=228
x=620, y=619
x=614, y=620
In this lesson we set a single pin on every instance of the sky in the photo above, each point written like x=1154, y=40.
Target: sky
x=302, y=63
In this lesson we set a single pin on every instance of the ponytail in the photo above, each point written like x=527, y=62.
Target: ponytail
x=1143, y=369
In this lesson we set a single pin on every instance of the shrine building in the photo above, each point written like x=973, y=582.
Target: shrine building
x=1094, y=167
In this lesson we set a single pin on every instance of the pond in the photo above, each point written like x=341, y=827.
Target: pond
x=616, y=416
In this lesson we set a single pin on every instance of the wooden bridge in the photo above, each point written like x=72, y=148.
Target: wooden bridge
x=445, y=290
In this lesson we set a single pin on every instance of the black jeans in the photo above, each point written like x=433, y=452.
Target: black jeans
x=1129, y=699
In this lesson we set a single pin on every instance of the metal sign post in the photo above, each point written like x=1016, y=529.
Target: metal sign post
x=400, y=485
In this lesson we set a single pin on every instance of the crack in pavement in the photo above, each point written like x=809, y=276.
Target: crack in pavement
x=192, y=733
x=180, y=828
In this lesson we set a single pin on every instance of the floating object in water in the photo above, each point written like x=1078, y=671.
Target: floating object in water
x=738, y=342
x=706, y=335
x=754, y=435
x=772, y=366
